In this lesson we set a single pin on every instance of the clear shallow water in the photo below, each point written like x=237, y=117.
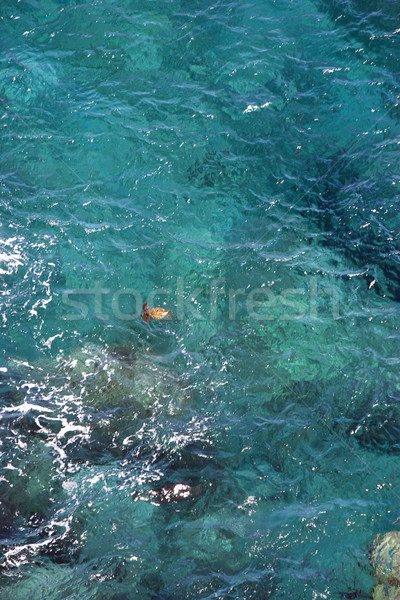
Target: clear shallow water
x=196, y=150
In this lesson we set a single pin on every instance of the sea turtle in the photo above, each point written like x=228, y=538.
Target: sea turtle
x=154, y=313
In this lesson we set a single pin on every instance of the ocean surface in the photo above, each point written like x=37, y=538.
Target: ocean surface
x=237, y=163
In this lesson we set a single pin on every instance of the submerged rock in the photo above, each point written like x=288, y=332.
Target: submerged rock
x=119, y=376
x=177, y=492
x=100, y=402
x=105, y=377
x=214, y=543
x=385, y=561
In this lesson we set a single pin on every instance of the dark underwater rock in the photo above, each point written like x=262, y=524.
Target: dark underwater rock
x=354, y=594
x=374, y=422
x=365, y=232
x=113, y=389
x=127, y=353
x=177, y=492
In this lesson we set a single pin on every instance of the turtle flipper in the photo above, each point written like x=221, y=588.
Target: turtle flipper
x=146, y=318
x=169, y=314
x=145, y=306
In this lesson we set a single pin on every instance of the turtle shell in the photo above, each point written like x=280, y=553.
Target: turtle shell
x=157, y=313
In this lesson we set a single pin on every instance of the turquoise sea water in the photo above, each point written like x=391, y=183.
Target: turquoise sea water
x=237, y=163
